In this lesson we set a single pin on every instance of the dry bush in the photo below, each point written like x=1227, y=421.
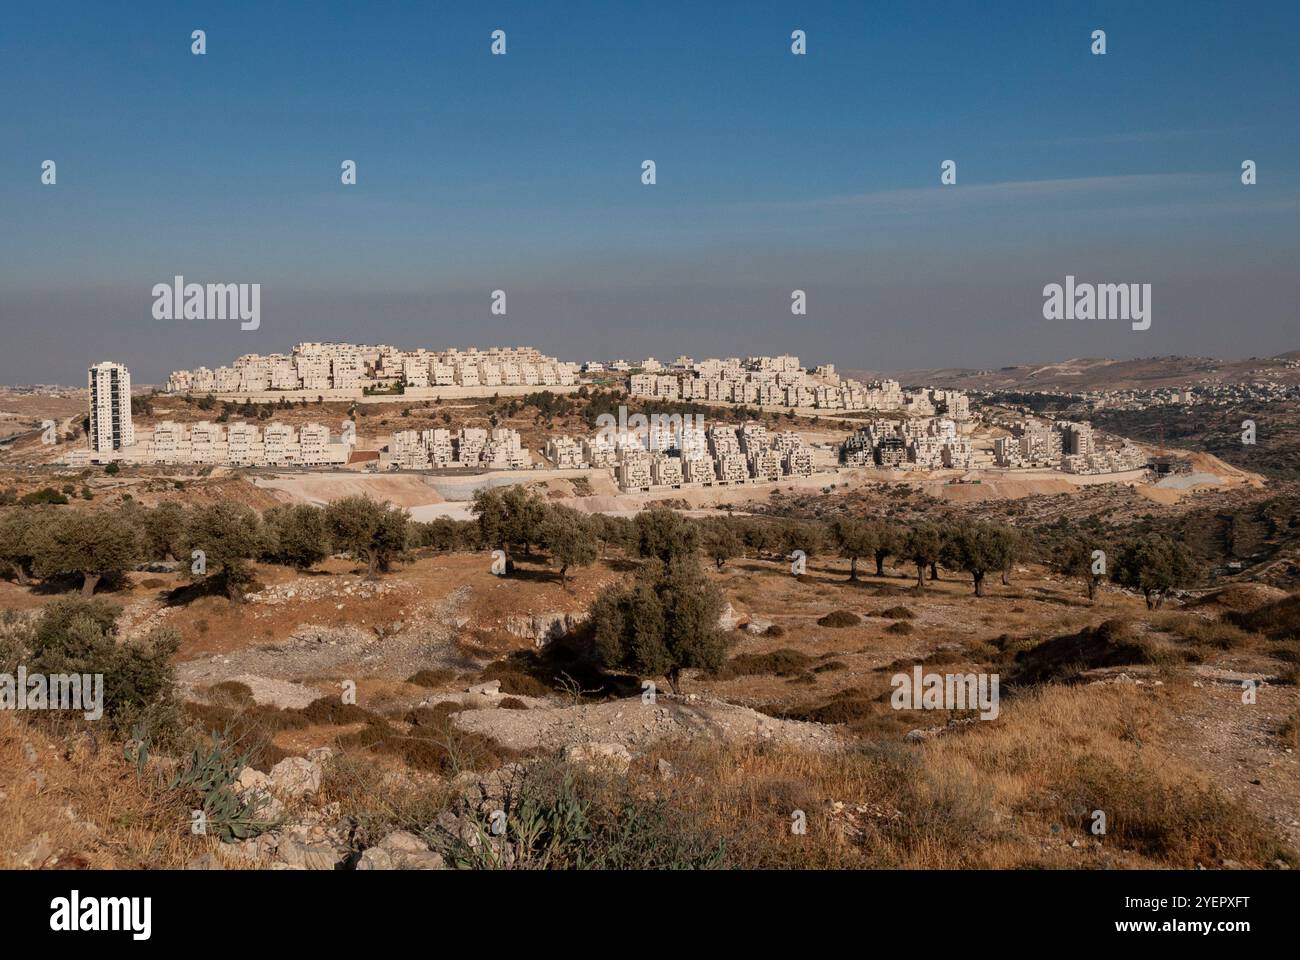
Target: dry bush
x=780, y=663
x=230, y=693
x=840, y=618
x=898, y=612
x=1289, y=731
x=1217, y=634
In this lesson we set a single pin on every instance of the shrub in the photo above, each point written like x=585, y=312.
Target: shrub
x=901, y=627
x=899, y=612
x=75, y=635
x=514, y=680
x=1279, y=620
x=208, y=777
x=840, y=618
x=780, y=663
x=557, y=821
x=1181, y=823
x=44, y=495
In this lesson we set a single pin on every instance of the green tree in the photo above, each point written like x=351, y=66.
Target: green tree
x=886, y=543
x=663, y=622
x=1155, y=565
x=665, y=534
x=18, y=532
x=509, y=517
x=760, y=536
x=722, y=541
x=979, y=548
x=854, y=539
x=163, y=531
x=567, y=534
x=230, y=536
x=375, y=533
x=922, y=546
x=92, y=545
x=296, y=536
x=1075, y=559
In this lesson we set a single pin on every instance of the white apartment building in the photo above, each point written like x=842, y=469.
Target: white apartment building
x=111, y=428
x=347, y=366
x=239, y=444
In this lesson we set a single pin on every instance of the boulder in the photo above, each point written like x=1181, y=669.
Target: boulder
x=310, y=856
x=254, y=788
x=728, y=619
x=37, y=852
x=542, y=628
x=599, y=754
x=400, y=851
x=295, y=777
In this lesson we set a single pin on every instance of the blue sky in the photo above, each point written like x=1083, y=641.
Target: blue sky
x=522, y=172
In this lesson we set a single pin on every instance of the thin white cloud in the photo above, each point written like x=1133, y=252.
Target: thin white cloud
x=978, y=194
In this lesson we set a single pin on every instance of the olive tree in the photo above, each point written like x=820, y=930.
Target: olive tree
x=567, y=534
x=91, y=545
x=229, y=537
x=922, y=546
x=663, y=622
x=1155, y=565
x=374, y=533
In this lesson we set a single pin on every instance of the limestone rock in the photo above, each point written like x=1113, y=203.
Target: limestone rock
x=310, y=856
x=400, y=851
x=593, y=754
x=295, y=777
x=728, y=619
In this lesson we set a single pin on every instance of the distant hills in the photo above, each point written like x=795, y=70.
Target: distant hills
x=1100, y=373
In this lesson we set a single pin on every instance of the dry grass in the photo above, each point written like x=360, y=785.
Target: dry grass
x=95, y=810
x=1013, y=793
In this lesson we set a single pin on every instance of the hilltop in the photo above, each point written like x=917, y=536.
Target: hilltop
x=1100, y=373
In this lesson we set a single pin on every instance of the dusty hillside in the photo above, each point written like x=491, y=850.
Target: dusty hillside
x=456, y=670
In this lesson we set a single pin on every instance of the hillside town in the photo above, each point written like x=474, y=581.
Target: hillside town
x=928, y=429
x=346, y=368
x=781, y=382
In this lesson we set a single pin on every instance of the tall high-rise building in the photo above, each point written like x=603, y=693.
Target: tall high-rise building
x=110, y=408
